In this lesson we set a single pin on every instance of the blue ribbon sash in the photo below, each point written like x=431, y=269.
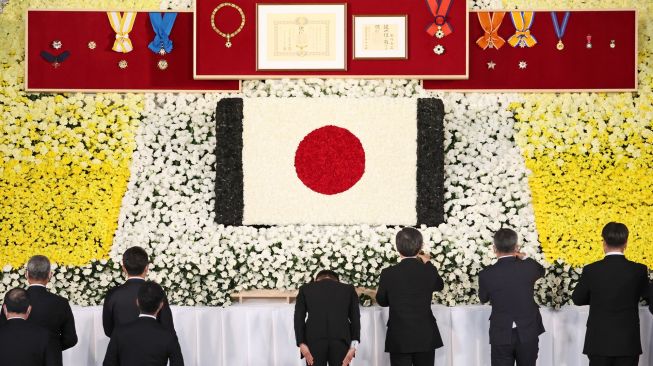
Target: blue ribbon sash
x=162, y=25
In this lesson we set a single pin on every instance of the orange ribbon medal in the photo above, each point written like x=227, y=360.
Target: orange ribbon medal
x=522, y=20
x=440, y=27
x=490, y=24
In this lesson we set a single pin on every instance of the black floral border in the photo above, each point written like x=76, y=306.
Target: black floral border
x=229, y=162
x=430, y=161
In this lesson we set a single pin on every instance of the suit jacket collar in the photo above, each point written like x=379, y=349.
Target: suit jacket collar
x=15, y=320
x=615, y=257
x=410, y=260
x=37, y=288
x=146, y=320
x=135, y=279
x=506, y=259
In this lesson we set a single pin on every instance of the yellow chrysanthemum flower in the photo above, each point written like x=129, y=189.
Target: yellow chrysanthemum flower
x=64, y=159
x=591, y=156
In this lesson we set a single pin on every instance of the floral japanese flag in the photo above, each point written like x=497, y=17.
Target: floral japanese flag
x=329, y=161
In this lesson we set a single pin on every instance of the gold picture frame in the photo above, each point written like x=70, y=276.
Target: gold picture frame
x=380, y=37
x=299, y=37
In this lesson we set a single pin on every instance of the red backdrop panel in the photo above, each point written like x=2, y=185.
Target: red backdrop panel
x=98, y=69
x=213, y=60
x=574, y=68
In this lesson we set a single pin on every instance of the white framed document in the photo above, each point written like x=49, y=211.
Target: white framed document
x=380, y=36
x=301, y=37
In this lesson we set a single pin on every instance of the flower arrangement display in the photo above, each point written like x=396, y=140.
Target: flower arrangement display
x=85, y=176
x=591, y=156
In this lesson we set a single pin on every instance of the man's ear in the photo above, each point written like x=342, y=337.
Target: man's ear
x=137, y=304
x=124, y=270
x=4, y=310
x=29, y=310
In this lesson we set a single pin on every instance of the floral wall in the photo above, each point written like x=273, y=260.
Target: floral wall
x=85, y=176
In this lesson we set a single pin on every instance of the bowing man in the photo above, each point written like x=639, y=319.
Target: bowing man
x=145, y=341
x=509, y=285
x=49, y=311
x=24, y=343
x=332, y=331
x=407, y=288
x=120, y=302
x=612, y=287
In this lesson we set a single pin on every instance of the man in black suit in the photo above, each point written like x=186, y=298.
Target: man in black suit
x=145, y=342
x=509, y=285
x=49, y=311
x=120, y=302
x=650, y=299
x=612, y=287
x=407, y=288
x=24, y=343
x=332, y=331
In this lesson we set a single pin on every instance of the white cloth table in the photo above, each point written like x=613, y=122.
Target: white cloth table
x=263, y=335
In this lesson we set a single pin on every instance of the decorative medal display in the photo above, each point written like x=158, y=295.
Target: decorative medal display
x=161, y=44
x=122, y=24
x=560, y=29
x=55, y=60
x=588, y=45
x=440, y=27
x=490, y=22
x=228, y=36
x=523, y=21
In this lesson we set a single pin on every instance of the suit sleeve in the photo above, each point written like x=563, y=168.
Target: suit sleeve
x=68, y=333
x=3, y=318
x=107, y=315
x=581, y=294
x=51, y=353
x=540, y=269
x=483, y=291
x=382, y=291
x=111, y=357
x=300, y=317
x=644, y=283
x=174, y=353
x=165, y=316
x=439, y=283
x=355, y=316
x=650, y=298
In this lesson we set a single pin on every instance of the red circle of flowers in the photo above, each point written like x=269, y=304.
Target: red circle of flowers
x=330, y=160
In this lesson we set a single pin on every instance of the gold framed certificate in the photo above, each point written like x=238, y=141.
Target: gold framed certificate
x=301, y=37
x=380, y=36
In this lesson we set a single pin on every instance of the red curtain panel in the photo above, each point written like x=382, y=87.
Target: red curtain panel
x=98, y=69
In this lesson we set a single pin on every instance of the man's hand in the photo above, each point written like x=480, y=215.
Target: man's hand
x=303, y=348
x=424, y=257
x=350, y=356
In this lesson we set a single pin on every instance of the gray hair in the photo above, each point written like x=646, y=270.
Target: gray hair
x=38, y=268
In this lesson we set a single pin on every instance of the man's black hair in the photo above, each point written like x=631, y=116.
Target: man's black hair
x=135, y=261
